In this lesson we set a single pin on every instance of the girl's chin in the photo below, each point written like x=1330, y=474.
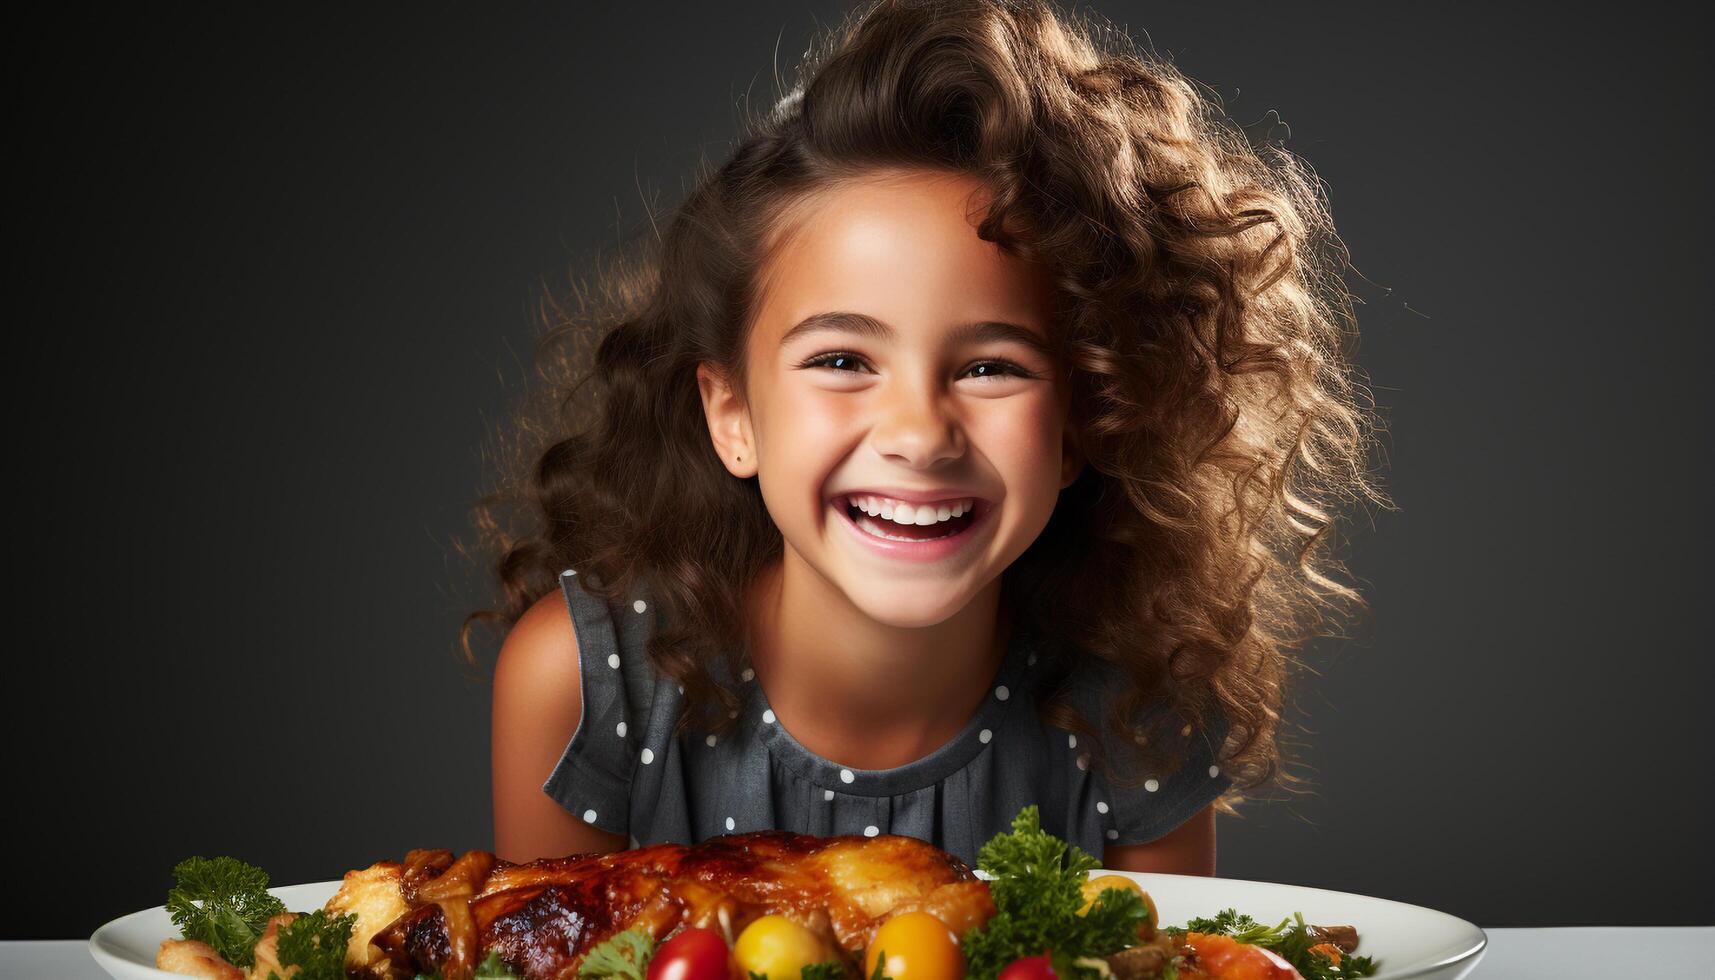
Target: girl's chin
x=905, y=609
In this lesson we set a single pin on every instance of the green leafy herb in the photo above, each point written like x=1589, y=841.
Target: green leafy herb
x=1038, y=888
x=222, y=902
x=1291, y=939
x=624, y=955
x=492, y=967
x=880, y=965
x=315, y=943
x=831, y=970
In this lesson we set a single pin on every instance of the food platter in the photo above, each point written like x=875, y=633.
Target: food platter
x=1407, y=941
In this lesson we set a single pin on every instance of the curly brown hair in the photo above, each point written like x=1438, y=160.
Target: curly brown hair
x=1202, y=322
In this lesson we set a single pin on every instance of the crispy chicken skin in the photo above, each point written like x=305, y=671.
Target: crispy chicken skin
x=544, y=916
x=194, y=959
x=374, y=896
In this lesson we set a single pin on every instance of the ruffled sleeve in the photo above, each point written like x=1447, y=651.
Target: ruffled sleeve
x=593, y=777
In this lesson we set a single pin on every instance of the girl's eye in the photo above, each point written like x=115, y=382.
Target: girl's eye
x=993, y=368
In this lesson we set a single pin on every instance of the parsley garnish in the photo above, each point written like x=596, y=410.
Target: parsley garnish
x=492, y=967
x=222, y=902
x=624, y=955
x=1038, y=889
x=315, y=943
x=1291, y=939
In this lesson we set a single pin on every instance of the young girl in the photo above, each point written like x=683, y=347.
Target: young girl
x=968, y=441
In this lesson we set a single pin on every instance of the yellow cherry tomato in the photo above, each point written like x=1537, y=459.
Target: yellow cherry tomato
x=1094, y=887
x=918, y=946
x=779, y=947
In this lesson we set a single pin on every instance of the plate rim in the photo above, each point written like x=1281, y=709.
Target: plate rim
x=107, y=959
x=1480, y=941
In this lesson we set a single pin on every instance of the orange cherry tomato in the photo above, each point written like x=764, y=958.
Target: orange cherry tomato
x=1093, y=888
x=779, y=947
x=918, y=946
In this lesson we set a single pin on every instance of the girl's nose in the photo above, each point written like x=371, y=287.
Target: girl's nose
x=915, y=427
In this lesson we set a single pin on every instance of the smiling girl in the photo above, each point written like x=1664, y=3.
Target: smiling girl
x=968, y=440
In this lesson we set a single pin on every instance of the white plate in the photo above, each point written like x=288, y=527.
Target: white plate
x=1404, y=940
x=126, y=946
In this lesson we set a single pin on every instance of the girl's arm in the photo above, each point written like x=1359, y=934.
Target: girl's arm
x=1188, y=850
x=537, y=705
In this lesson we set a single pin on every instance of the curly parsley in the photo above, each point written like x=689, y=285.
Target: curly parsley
x=1038, y=888
x=623, y=955
x=222, y=902
x=315, y=943
x=491, y=968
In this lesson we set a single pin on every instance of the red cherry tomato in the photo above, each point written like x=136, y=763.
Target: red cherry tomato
x=1028, y=968
x=692, y=953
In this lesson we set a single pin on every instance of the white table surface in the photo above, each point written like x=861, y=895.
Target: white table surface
x=1571, y=953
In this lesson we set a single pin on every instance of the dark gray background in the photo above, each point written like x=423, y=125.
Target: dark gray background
x=276, y=271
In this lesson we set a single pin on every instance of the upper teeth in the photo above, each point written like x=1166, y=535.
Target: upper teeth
x=902, y=512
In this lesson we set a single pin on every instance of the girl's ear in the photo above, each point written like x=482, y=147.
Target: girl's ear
x=1071, y=456
x=729, y=422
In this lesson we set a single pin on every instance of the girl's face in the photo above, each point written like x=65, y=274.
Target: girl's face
x=895, y=354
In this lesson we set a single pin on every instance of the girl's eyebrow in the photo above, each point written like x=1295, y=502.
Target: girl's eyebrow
x=868, y=326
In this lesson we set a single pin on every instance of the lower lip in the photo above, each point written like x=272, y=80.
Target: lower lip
x=934, y=549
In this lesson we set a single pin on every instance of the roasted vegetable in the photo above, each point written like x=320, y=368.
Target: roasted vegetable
x=1291, y=939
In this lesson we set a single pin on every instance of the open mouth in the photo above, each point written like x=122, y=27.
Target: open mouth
x=883, y=527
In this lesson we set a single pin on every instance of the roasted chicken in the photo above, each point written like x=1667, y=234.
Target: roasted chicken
x=434, y=912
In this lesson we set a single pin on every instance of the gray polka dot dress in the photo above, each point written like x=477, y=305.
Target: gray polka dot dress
x=625, y=772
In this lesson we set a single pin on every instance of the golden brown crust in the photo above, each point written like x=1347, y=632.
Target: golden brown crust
x=194, y=959
x=544, y=916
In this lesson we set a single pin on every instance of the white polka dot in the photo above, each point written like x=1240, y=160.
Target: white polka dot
x=828, y=795
x=710, y=741
x=1214, y=771
x=1030, y=661
x=984, y=736
x=1001, y=693
x=567, y=572
x=1083, y=760
x=613, y=660
x=1151, y=785
x=1101, y=807
x=640, y=605
x=648, y=756
x=1071, y=741
x=620, y=729
x=871, y=830
x=729, y=823
x=846, y=776
x=1186, y=730
x=732, y=713
x=768, y=716
x=748, y=674
x=589, y=816
x=1113, y=835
